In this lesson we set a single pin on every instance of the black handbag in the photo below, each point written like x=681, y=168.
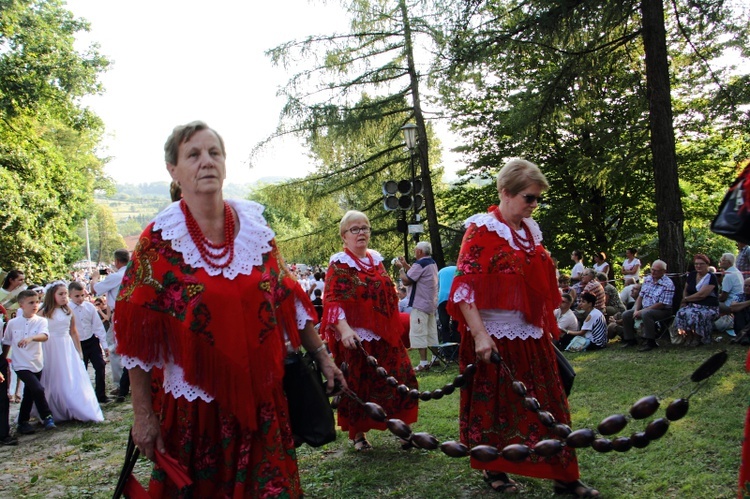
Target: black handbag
x=733, y=219
x=310, y=413
x=567, y=373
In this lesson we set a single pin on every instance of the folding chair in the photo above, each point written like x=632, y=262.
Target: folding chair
x=446, y=353
x=662, y=327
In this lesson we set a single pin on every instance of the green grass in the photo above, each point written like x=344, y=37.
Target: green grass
x=698, y=458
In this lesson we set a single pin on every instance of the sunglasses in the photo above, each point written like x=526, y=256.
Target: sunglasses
x=530, y=198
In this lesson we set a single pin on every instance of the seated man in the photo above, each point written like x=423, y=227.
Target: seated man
x=653, y=304
x=594, y=327
x=741, y=311
x=731, y=286
x=612, y=301
x=566, y=319
x=629, y=294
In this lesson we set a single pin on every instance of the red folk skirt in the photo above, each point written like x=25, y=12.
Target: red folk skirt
x=492, y=414
x=370, y=387
x=744, y=489
x=223, y=459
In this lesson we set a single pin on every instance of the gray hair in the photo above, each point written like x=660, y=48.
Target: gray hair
x=349, y=217
x=659, y=263
x=425, y=247
x=728, y=257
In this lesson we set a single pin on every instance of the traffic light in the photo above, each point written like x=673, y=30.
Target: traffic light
x=403, y=195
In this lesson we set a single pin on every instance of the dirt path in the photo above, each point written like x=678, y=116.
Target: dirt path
x=76, y=460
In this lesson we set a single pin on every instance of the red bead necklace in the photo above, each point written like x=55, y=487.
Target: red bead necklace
x=367, y=267
x=524, y=243
x=212, y=253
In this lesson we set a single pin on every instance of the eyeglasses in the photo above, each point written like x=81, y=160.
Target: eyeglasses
x=359, y=230
x=530, y=198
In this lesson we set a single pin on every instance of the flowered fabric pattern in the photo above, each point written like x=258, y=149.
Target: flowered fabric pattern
x=227, y=336
x=491, y=413
x=369, y=300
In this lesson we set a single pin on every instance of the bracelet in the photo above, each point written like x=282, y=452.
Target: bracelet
x=319, y=349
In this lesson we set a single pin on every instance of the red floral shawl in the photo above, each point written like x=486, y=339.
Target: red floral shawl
x=507, y=279
x=226, y=334
x=369, y=300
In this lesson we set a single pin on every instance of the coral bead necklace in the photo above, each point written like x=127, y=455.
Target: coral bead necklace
x=526, y=242
x=212, y=254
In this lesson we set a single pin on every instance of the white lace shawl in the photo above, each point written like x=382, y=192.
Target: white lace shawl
x=492, y=223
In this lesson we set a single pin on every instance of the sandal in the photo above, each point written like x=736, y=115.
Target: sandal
x=576, y=488
x=422, y=368
x=500, y=482
x=362, y=445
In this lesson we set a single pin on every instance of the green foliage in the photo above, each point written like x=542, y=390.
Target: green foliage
x=564, y=86
x=48, y=166
x=349, y=97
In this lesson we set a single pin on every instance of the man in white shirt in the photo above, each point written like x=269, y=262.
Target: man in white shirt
x=92, y=335
x=731, y=288
x=110, y=286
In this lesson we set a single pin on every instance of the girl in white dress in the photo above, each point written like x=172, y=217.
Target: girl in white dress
x=66, y=382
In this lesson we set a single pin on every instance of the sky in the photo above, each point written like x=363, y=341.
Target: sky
x=178, y=61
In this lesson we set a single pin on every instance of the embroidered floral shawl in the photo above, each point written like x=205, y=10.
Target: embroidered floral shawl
x=369, y=300
x=506, y=278
x=226, y=334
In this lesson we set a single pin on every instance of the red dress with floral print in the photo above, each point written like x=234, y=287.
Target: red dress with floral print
x=227, y=336
x=491, y=413
x=369, y=300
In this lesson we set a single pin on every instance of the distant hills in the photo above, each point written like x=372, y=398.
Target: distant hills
x=133, y=206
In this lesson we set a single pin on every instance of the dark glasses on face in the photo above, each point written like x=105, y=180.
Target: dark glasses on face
x=530, y=198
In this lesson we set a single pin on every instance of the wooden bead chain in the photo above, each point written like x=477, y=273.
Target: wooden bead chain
x=585, y=437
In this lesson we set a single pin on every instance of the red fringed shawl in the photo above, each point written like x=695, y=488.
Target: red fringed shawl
x=226, y=334
x=507, y=279
x=369, y=300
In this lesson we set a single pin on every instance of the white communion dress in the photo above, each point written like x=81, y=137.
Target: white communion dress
x=66, y=382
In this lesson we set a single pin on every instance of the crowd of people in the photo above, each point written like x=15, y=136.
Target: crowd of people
x=198, y=322
x=50, y=334
x=713, y=301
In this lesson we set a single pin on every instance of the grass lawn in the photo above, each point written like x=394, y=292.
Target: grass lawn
x=698, y=458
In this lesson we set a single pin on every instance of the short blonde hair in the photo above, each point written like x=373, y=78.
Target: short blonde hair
x=349, y=217
x=517, y=174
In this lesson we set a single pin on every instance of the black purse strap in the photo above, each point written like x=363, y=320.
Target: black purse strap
x=131, y=457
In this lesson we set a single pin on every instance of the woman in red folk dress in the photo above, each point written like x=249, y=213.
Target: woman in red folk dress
x=504, y=296
x=361, y=304
x=210, y=321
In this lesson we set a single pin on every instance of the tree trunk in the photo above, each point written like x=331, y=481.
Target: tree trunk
x=422, y=144
x=669, y=215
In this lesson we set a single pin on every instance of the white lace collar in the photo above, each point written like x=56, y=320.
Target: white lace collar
x=343, y=257
x=492, y=223
x=252, y=242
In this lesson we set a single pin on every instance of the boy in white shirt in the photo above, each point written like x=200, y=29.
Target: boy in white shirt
x=93, y=336
x=26, y=333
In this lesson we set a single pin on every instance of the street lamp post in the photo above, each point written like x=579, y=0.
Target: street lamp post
x=410, y=138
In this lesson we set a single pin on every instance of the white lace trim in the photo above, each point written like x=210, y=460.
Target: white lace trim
x=500, y=323
x=463, y=292
x=342, y=257
x=174, y=379
x=492, y=223
x=302, y=315
x=364, y=334
x=252, y=241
